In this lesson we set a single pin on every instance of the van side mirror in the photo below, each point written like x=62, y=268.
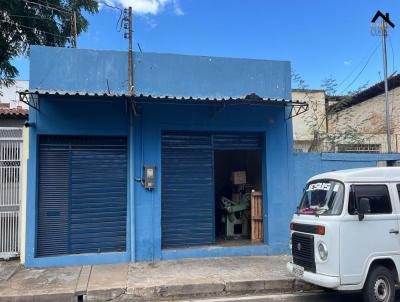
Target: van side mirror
x=363, y=207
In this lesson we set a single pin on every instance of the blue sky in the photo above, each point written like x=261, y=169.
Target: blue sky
x=321, y=38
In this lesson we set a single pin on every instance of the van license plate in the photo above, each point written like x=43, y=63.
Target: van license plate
x=298, y=271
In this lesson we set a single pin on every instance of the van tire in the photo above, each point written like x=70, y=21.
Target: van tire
x=379, y=286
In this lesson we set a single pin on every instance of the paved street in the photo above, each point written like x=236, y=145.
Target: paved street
x=312, y=297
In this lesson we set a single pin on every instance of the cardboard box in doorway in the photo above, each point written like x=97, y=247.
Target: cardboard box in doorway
x=239, y=177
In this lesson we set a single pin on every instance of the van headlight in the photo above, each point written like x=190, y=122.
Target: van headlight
x=322, y=251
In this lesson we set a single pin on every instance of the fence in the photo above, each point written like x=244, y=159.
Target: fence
x=10, y=191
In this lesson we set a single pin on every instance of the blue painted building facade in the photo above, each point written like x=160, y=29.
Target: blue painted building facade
x=84, y=122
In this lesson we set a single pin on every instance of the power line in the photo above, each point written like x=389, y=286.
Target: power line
x=362, y=70
x=43, y=31
x=121, y=11
x=391, y=47
x=61, y=10
x=71, y=14
x=38, y=18
x=354, y=69
x=50, y=5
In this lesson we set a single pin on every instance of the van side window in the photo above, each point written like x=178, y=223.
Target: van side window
x=398, y=190
x=378, y=196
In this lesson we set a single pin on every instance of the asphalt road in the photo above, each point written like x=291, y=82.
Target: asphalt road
x=315, y=297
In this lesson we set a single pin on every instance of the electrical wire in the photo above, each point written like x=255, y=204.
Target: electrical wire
x=39, y=18
x=362, y=70
x=121, y=11
x=354, y=69
x=393, y=53
x=61, y=10
x=43, y=31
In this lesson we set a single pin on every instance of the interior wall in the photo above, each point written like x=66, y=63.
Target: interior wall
x=228, y=161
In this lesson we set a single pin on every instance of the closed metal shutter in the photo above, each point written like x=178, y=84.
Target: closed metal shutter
x=237, y=141
x=187, y=189
x=82, y=195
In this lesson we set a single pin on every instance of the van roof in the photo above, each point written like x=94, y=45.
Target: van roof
x=376, y=174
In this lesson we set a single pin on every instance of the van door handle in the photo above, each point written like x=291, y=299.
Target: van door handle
x=393, y=231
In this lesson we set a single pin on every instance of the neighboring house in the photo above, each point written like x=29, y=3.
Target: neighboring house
x=364, y=114
x=11, y=131
x=10, y=94
x=348, y=124
x=12, y=117
x=308, y=125
x=111, y=179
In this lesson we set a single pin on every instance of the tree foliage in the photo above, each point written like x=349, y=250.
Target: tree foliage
x=37, y=22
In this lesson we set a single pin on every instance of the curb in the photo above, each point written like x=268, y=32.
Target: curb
x=168, y=292
x=42, y=297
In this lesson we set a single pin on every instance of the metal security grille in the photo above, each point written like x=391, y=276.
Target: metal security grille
x=10, y=179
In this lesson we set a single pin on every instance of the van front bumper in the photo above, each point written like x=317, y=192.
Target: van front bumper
x=317, y=279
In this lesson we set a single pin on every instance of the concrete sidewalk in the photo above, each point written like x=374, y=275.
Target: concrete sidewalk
x=164, y=280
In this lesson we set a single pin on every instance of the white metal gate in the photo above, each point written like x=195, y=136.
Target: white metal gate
x=10, y=191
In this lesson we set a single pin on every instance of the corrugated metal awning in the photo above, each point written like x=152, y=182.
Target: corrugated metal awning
x=297, y=107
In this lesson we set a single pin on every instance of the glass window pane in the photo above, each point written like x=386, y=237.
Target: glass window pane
x=378, y=196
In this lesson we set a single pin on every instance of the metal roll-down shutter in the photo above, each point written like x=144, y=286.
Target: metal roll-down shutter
x=187, y=189
x=237, y=141
x=187, y=181
x=82, y=195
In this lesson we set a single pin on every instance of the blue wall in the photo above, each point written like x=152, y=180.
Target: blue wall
x=284, y=173
x=267, y=120
x=307, y=165
x=58, y=115
x=71, y=69
x=78, y=116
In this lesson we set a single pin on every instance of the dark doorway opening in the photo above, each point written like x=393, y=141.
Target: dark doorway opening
x=237, y=173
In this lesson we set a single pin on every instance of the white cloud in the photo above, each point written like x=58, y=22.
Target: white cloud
x=347, y=62
x=149, y=7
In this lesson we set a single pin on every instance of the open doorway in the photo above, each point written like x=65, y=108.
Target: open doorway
x=237, y=174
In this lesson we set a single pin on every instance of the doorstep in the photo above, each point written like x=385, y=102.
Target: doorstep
x=147, y=281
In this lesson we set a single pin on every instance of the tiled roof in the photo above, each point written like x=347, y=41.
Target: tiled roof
x=12, y=113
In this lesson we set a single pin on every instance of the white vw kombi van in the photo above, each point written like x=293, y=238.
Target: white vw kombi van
x=345, y=232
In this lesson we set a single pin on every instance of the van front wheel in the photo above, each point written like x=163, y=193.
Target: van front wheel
x=379, y=286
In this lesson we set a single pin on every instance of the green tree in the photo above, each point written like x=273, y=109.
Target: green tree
x=37, y=22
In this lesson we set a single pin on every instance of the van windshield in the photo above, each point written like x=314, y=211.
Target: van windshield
x=322, y=197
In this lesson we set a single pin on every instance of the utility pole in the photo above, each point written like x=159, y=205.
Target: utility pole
x=381, y=30
x=131, y=90
x=74, y=31
x=131, y=85
x=388, y=119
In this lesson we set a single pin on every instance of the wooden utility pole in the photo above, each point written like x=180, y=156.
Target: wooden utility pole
x=131, y=90
x=130, y=68
x=74, y=30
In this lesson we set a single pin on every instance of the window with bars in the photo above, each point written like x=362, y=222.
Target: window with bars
x=359, y=148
